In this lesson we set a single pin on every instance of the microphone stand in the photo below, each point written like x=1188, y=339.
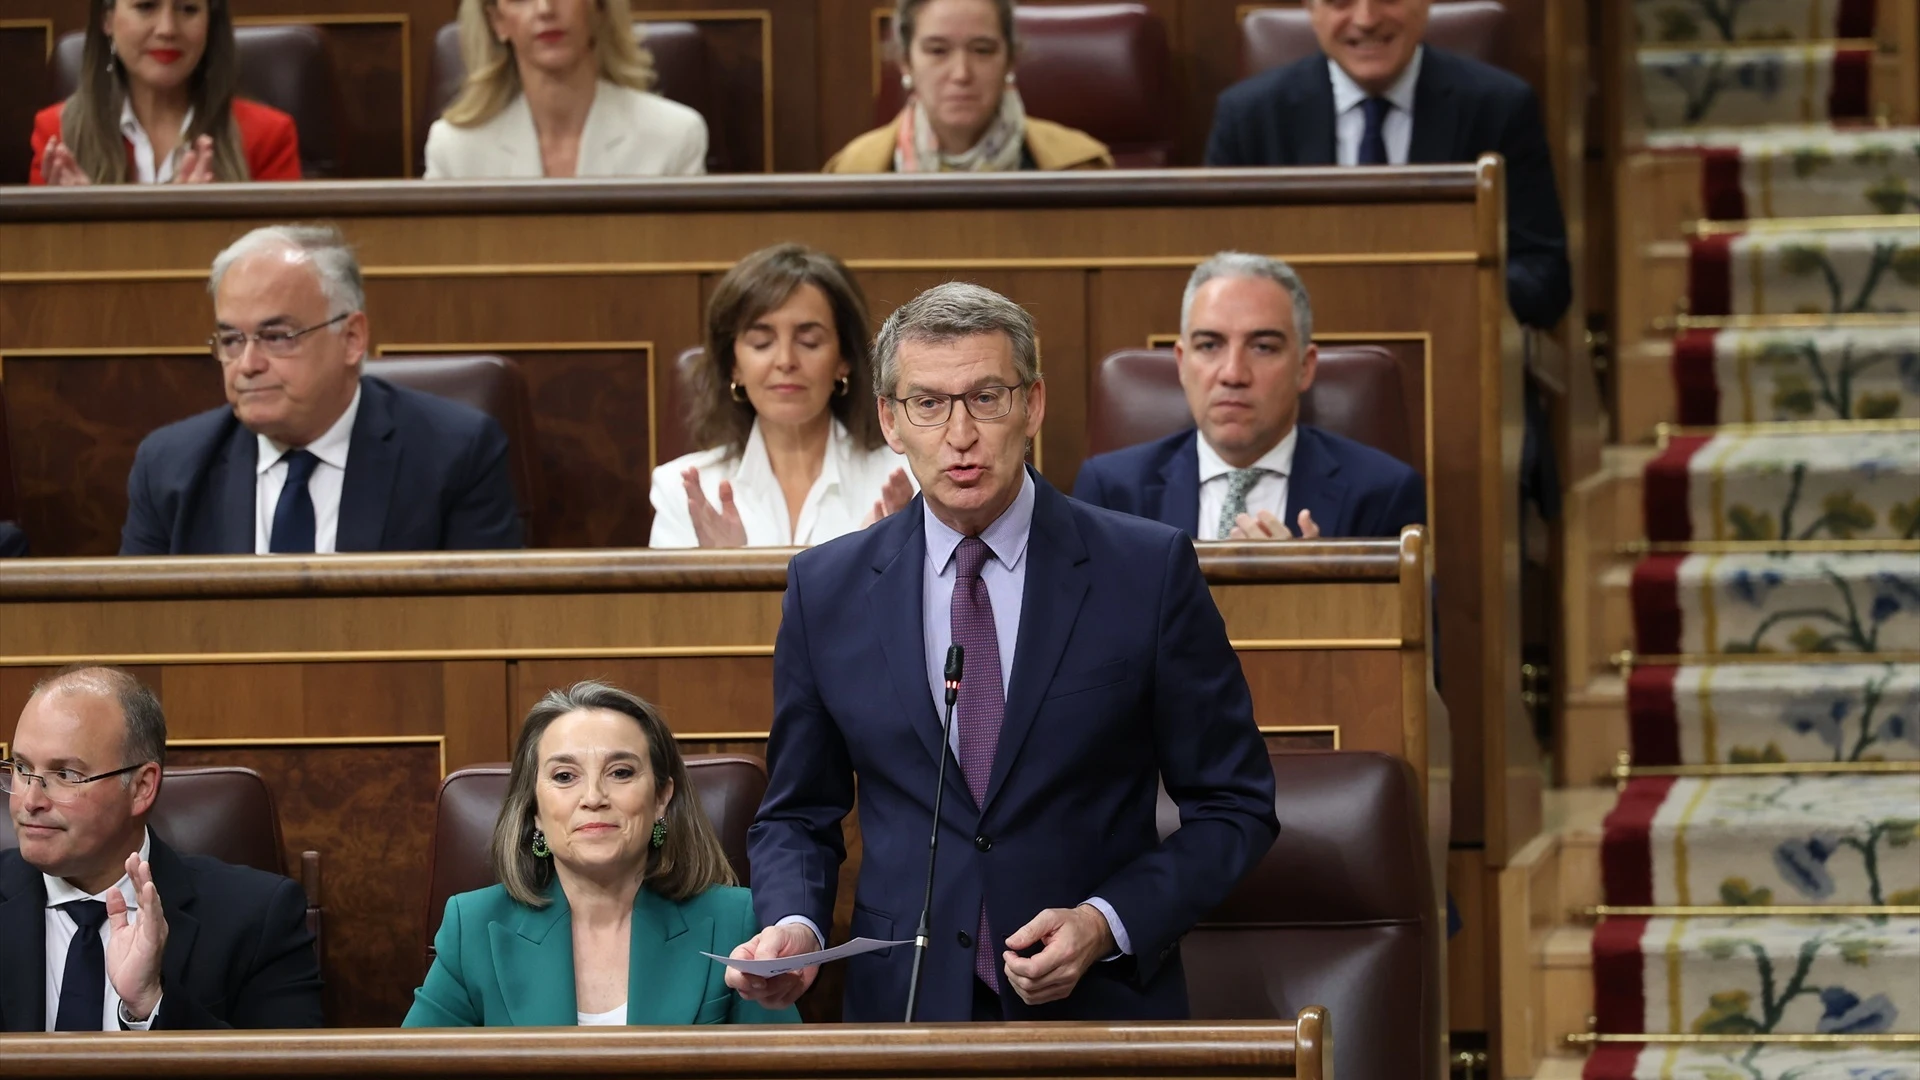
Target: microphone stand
x=956, y=658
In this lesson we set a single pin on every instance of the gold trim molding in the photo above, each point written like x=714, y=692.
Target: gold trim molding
x=1303, y=729
x=45, y=26
x=1595, y=912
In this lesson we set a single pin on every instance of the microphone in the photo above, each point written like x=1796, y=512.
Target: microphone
x=956, y=661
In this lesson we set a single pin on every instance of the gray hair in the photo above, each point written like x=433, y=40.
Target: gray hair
x=947, y=313
x=324, y=248
x=1240, y=264
x=146, y=724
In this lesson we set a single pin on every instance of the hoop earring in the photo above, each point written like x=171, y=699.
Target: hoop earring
x=539, y=846
x=842, y=386
x=659, y=839
x=738, y=392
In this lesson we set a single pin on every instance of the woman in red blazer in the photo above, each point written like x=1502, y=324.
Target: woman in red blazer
x=157, y=103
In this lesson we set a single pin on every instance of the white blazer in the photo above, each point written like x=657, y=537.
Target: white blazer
x=850, y=483
x=628, y=133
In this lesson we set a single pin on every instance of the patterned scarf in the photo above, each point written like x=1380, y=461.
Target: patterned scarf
x=917, y=149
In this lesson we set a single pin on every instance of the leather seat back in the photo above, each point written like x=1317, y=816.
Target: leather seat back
x=1273, y=36
x=287, y=67
x=1339, y=913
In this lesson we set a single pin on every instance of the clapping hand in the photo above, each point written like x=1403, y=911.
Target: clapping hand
x=714, y=528
x=1268, y=527
x=60, y=167
x=894, y=497
x=196, y=163
x=135, y=947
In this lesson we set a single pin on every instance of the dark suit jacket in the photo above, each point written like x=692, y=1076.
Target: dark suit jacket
x=423, y=474
x=1462, y=108
x=1122, y=676
x=238, y=952
x=1352, y=489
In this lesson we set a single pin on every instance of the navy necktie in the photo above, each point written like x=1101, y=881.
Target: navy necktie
x=83, y=989
x=981, y=707
x=1373, y=141
x=293, y=525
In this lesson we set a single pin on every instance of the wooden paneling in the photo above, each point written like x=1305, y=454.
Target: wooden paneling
x=371, y=71
x=24, y=45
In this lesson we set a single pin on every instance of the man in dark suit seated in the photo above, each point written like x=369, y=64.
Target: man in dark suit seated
x=1376, y=96
x=312, y=456
x=1250, y=471
x=1096, y=666
x=103, y=926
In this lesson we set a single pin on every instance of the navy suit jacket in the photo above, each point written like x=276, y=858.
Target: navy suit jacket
x=423, y=474
x=1462, y=108
x=238, y=954
x=1122, y=677
x=1352, y=489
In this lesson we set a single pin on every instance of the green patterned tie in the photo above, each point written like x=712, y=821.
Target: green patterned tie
x=1239, y=482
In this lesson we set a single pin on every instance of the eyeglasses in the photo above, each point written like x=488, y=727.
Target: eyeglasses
x=61, y=785
x=277, y=342
x=981, y=402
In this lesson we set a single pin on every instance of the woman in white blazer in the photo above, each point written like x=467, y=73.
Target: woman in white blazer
x=783, y=401
x=558, y=88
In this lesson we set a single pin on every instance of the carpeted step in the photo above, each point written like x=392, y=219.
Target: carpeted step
x=1752, y=1061
x=1820, y=373
x=1796, y=486
x=1719, y=604
x=1752, y=713
x=1752, y=85
x=1757, y=976
x=1806, y=172
x=1764, y=841
x=1678, y=22
x=1842, y=271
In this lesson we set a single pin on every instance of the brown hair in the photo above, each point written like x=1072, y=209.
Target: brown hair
x=90, y=120
x=688, y=863
x=756, y=285
x=493, y=75
x=906, y=14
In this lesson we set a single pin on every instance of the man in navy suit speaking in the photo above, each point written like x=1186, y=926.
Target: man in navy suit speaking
x=1249, y=470
x=311, y=456
x=1097, y=667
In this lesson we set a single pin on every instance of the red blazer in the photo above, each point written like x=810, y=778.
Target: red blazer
x=267, y=137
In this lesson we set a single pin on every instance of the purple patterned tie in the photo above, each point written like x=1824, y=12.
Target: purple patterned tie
x=981, y=707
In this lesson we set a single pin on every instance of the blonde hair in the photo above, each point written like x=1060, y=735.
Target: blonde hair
x=493, y=74
x=691, y=860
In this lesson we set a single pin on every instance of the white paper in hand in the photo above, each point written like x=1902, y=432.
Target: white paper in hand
x=767, y=969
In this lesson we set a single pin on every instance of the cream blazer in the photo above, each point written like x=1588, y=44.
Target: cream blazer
x=849, y=484
x=628, y=133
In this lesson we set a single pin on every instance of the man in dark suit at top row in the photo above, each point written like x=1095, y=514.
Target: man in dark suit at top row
x=1376, y=96
x=311, y=456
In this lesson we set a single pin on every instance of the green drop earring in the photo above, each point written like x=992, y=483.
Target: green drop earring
x=540, y=848
x=660, y=833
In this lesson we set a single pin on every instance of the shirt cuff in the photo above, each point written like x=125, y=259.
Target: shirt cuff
x=819, y=939
x=1120, y=940
x=129, y=1024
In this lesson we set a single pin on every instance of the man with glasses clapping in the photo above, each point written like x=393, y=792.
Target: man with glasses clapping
x=312, y=456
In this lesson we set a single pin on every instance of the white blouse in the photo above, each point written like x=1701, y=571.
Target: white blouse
x=850, y=482
x=614, y=1017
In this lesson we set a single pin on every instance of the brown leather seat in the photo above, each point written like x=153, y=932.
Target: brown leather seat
x=287, y=67
x=1356, y=392
x=1272, y=36
x=729, y=787
x=226, y=813
x=1340, y=913
x=9, y=508
x=1103, y=68
x=681, y=60
x=495, y=386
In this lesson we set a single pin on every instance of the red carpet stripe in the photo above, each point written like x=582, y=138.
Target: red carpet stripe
x=1855, y=19
x=1619, y=977
x=1612, y=1061
x=1652, y=716
x=1626, y=844
x=1710, y=275
x=1695, y=378
x=1656, y=605
x=1664, y=496
x=1851, y=96
x=1722, y=196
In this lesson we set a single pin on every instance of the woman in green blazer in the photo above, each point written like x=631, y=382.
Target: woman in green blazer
x=610, y=887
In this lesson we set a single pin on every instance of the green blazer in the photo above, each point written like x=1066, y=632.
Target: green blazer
x=500, y=963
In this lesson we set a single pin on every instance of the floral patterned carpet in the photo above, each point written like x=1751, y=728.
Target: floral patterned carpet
x=1777, y=623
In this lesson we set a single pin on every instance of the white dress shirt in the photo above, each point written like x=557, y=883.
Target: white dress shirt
x=146, y=169
x=323, y=486
x=1350, y=120
x=849, y=483
x=1268, y=493
x=60, y=931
